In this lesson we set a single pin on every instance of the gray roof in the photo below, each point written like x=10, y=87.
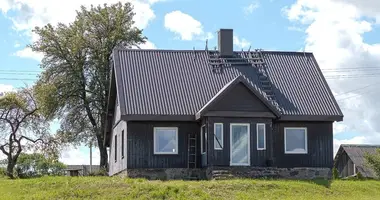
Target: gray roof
x=356, y=153
x=181, y=82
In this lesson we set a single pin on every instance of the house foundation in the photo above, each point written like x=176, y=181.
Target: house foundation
x=221, y=173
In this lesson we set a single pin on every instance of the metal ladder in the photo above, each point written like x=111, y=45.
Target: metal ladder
x=192, y=151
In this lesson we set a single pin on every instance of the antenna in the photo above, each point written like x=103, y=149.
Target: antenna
x=206, y=48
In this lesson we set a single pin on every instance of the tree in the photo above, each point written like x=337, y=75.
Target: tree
x=22, y=126
x=373, y=161
x=37, y=164
x=76, y=67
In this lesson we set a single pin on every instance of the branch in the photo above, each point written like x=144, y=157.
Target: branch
x=3, y=149
x=30, y=140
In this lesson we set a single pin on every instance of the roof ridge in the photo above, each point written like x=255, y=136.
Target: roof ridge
x=360, y=145
x=203, y=50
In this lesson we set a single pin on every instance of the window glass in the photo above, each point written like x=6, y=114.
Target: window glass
x=218, y=136
x=260, y=136
x=295, y=140
x=166, y=140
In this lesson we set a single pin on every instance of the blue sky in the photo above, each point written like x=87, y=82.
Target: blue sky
x=339, y=32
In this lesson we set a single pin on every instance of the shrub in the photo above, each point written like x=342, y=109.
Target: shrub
x=101, y=172
x=335, y=173
x=2, y=171
x=373, y=161
x=359, y=176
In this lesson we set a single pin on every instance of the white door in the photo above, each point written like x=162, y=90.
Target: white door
x=239, y=145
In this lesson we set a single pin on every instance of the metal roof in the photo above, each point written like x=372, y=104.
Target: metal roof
x=181, y=82
x=356, y=153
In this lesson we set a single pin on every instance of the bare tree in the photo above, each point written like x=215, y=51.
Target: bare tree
x=22, y=127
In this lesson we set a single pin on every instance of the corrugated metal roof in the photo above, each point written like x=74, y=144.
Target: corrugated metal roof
x=181, y=82
x=356, y=154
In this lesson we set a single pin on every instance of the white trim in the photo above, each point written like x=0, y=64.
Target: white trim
x=249, y=144
x=216, y=144
x=354, y=168
x=205, y=132
x=257, y=136
x=292, y=152
x=154, y=140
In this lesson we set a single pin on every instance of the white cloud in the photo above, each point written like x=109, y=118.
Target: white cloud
x=251, y=7
x=185, y=26
x=241, y=42
x=28, y=53
x=148, y=45
x=334, y=34
x=79, y=156
x=32, y=13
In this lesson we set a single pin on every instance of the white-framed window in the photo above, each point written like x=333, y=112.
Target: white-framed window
x=261, y=136
x=295, y=140
x=165, y=140
x=240, y=147
x=218, y=136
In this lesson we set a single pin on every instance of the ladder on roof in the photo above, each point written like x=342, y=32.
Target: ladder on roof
x=264, y=81
x=192, y=151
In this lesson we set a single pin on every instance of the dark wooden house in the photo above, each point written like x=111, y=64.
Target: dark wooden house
x=196, y=109
x=349, y=160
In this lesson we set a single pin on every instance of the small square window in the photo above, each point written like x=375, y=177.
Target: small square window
x=165, y=140
x=218, y=136
x=260, y=129
x=295, y=140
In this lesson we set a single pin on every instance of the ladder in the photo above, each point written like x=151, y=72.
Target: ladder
x=192, y=151
x=264, y=81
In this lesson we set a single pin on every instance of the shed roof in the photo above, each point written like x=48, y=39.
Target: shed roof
x=356, y=153
x=181, y=82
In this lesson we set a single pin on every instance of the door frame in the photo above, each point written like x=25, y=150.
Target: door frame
x=249, y=144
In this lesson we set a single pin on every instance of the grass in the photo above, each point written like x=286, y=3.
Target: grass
x=118, y=188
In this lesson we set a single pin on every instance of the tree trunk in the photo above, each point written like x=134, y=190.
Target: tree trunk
x=103, y=152
x=10, y=167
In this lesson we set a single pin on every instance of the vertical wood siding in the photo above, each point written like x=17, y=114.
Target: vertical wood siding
x=121, y=163
x=140, y=145
x=320, y=145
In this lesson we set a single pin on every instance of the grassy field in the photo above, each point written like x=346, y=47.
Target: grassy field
x=118, y=188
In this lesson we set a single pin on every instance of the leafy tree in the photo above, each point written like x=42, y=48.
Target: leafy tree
x=373, y=161
x=36, y=164
x=22, y=126
x=76, y=67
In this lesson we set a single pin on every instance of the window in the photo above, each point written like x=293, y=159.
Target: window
x=218, y=136
x=122, y=144
x=165, y=140
x=240, y=144
x=203, y=139
x=260, y=130
x=115, y=148
x=295, y=140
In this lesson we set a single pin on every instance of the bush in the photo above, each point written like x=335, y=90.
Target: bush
x=3, y=172
x=359, y=176
x=373, y=160
x=335, y=173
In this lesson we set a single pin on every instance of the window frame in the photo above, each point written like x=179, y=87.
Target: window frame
x=257, y=136
x=155, y=141
x=216, y=144
x=115, y=153
x=306, y=146
x=122, y=144
x=248, y=125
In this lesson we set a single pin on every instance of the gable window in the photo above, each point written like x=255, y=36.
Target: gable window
x=122, y=144
x=261, y=140
x=218, y=136
x=295, y=140
x=115, y=148
x=165, y=140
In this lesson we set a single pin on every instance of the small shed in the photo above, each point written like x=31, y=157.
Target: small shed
x=349, y=160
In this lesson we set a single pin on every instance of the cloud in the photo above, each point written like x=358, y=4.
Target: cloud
x=185, y=26
x=28, y=53
x=79, y=156
x=6, y=88
x=251, y=7
x=334, y=34
x=28, y=14
x=241, y=42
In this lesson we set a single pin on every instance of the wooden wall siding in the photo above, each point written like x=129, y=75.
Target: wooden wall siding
x=341, y=164
x=320, y=145
x=116, y=116
x=140, y=145
x=222, y=157
x=121, y=163
x=246, y=101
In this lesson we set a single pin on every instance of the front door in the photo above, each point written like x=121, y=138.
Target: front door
x=239, y=145
x=204, y=146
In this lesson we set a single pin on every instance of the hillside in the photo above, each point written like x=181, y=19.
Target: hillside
x=117, y=188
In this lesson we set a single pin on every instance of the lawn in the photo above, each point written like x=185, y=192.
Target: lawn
x=118, y=188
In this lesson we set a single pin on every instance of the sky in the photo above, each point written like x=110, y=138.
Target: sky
x=342, y=34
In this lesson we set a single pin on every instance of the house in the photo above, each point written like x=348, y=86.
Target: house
x=176, y=113
x=349, y=160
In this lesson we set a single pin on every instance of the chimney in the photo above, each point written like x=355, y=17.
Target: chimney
x=225, y=42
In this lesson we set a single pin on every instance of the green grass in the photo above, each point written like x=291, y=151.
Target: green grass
x=118, y=188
